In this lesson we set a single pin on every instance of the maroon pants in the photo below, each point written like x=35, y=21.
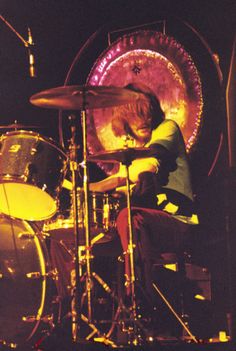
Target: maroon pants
x=154, y=232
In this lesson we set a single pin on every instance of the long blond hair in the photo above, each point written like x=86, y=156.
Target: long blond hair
x=142, y=108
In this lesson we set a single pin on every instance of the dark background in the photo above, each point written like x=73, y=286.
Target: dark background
x=61, y=28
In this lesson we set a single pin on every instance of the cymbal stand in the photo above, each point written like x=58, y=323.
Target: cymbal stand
x=131, y=282
x=86, y=209
x=77, y=291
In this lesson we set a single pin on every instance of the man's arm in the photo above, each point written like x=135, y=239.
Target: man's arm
x=138, y=166
x=107, y=184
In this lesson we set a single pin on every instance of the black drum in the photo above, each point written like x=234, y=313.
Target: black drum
x=103, y=209
x=32, y=170
x=25, y=287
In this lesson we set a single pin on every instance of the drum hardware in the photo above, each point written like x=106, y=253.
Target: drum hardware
x=32, y=319
x=44, y=235
x=95, y=331
x=70, y=252
x=122, y=316
x=67, y=184
x=100, y=338
x=126, y=156
x=77, y=290
x=38, y=275
x=83, y=98
x=26, y=235
x=121, y=309
x=97, y=238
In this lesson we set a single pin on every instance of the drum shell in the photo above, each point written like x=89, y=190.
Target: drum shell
x=24, y=301
x=34, y=164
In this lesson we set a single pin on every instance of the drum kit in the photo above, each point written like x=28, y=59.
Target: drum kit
x=32, y=175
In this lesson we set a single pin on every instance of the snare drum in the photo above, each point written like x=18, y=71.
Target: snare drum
x=32, y=169
x=26, y=288
x=103, y=210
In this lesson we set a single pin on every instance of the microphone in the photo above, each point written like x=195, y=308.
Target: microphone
x=30, y=48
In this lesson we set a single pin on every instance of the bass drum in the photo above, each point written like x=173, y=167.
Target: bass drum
x=24, y=287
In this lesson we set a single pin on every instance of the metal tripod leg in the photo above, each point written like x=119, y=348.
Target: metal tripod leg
x=121, y=308
x=101, y=337
x=171, y=308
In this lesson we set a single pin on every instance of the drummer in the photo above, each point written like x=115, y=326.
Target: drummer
x=162, y=198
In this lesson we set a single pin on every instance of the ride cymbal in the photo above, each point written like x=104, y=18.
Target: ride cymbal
x=76, y=97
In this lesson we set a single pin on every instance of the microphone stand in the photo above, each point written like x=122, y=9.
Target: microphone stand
x=28, y=44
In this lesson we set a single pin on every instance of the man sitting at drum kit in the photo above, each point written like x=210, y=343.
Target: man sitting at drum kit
x=160, y=190
x=161, y=194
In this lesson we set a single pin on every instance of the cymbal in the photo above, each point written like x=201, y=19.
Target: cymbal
x=77, y=97
x=120, y=155
x=18, y=126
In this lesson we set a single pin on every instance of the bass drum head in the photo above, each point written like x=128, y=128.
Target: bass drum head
x=23, y=299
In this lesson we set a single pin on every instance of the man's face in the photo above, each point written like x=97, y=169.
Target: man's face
x=141, y=128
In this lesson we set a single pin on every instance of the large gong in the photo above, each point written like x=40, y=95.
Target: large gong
x=161, y=63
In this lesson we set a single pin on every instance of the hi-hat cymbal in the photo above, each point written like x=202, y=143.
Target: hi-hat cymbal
x=18, y=126
x=76, y=97
x=121, y=155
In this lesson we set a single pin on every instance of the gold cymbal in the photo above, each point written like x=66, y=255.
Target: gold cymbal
x=76, y=97
x=120, y=155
